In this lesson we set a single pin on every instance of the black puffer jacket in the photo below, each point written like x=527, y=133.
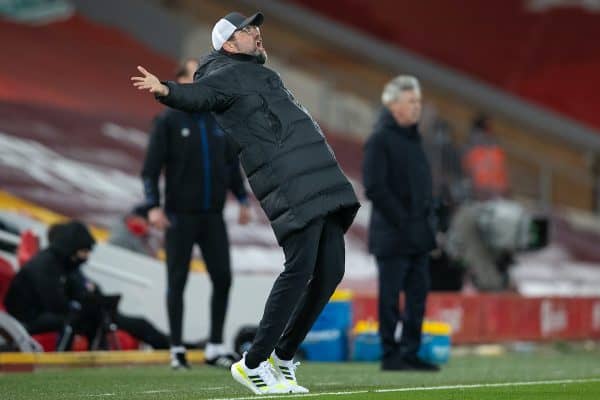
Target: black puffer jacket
x=288, y=162
x=42, y=284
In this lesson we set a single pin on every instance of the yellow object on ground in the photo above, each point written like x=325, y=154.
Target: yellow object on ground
x=436, y=328
x=365, y=326
x=341, y=295
x=94, y=358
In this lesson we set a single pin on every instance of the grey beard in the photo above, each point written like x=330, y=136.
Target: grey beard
x=261, y=57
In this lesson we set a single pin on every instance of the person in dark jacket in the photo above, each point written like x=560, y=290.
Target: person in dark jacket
x=293, y=173
x=99, y=311
x=397, y=180
x=199, y=167
x=50, y=293
x=39, y=295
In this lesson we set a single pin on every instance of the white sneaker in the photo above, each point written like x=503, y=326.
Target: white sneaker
x=179, y=359
x=287, y=371
x=260, y=380
x=216, y=355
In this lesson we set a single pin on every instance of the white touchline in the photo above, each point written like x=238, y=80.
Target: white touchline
x=485, y=385
x=156, y=391
x=419, y=388
x=293, y=395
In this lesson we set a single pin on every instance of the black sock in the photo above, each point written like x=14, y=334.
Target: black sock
x=252, y=361
x=282, y=355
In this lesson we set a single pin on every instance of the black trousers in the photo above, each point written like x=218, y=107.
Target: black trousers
x=143, y=330
x=410, y=274
x=88, y=325
x=46, y=322
x=209, y=232
x=314, y=266
x=83, y=323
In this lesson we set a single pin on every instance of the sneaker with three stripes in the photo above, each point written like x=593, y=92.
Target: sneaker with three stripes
x=286, y=369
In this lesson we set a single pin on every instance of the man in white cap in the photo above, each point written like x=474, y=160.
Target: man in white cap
x=295, y=176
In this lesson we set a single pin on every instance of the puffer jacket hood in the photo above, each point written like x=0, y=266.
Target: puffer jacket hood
x=206, y=61
x=218, y=59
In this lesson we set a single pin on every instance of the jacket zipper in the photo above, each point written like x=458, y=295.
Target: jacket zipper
x=272, y=124
x=206, y=161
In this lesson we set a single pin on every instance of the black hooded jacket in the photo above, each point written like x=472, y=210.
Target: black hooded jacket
x=289, y=164
x=41, y=285
x=397, y=180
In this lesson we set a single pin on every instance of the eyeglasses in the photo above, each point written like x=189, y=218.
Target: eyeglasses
x=249, y=29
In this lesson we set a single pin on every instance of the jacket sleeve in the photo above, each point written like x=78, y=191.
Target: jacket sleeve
x=211, y=93
x=156, y=156
x=375, y=166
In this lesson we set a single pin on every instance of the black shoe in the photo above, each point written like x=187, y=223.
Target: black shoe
x=413, y=364
x=179, y=361
x=395, y=364
x=420, y=365
x=199, y=345
x=223, y=360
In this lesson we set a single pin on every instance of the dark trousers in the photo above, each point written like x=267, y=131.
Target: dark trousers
x=137, y=327
x=83, y=323
x=209, y=232
x=142, y=330
x=314, y=266
x=408, y=273
x=46, y=322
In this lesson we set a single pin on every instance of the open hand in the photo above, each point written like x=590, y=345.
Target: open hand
x=157, y=218
x=149, y=82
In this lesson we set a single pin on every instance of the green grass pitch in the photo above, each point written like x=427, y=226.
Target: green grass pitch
x=550, y=375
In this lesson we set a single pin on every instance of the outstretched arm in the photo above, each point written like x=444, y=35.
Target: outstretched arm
x=149, y=82
x=207, y=94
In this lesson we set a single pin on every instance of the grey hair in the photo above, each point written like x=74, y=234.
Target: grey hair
x=394, y=88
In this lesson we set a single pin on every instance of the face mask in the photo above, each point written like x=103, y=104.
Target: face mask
x=75, y=262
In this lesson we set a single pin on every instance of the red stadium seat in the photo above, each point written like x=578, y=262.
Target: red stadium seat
x=28, y=247
x=7, y=272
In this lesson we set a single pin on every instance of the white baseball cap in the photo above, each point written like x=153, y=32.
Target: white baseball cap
x=230, y=23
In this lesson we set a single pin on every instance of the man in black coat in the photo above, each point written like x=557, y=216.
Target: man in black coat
x=397, y=180
x=50, y=293
x=293, y=173
x=199, y=166
x=39, y=295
